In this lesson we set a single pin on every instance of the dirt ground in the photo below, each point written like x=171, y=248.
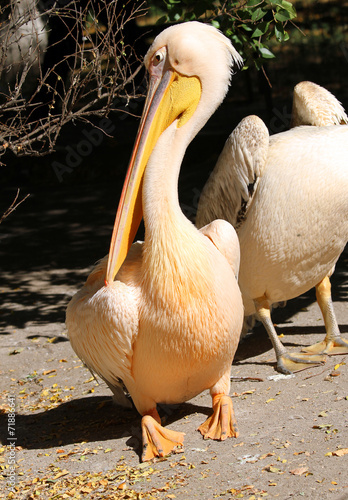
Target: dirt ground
x=72, y=442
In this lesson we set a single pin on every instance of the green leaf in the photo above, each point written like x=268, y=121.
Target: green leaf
x=258, y=64
x=162, y=20
x=266, y=53
x=287, y=6
x=215, y=23
x=279, y=32
x=257, y=14
x=246, y=27
x=282, y=16
x=252, y=3
x=260, y=30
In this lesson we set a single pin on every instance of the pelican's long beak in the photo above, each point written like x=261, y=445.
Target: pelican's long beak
x=170, y=97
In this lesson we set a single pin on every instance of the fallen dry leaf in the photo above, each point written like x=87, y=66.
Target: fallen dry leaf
x=16, y=351
x=60, y=474
x=89, y=380
x=341, y=452
x=275, y=470
x=270, y=454
x=299, y=471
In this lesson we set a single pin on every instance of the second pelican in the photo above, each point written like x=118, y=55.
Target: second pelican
x=286, y=195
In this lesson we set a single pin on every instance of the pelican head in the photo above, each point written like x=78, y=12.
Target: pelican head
x=190, y=67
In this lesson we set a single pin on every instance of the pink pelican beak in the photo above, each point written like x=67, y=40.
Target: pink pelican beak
x=171, y=96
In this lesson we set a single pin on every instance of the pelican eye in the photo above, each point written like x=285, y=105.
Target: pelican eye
x=158, y=57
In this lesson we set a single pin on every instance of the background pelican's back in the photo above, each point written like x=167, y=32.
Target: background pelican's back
x=303, y=193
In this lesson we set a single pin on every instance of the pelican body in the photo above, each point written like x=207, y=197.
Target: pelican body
x=286, y=195
x=309, y=205
x=163, y=317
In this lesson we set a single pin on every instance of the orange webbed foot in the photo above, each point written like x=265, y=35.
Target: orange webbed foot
x=157, y=440
x=222, y=423
x=297, y=361
x=330, y=346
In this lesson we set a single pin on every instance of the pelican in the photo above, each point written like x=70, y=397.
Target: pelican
x=286, y=196
x=24, y=40
x=163, y=318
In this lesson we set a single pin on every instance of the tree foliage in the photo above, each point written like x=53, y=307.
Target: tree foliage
x=70, y=60
x=250, y=24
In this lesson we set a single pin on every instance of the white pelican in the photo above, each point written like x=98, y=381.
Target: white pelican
x=165, y=322
x=24, y=39
x=286, y=195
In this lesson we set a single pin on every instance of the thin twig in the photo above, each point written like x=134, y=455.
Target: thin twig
x=13, y=206
x=315, y=374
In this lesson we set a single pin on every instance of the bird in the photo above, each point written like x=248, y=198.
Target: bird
x=285, y=195
x=24, y=39
x=162, y=318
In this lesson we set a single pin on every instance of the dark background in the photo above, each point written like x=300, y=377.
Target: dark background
x=67, y=220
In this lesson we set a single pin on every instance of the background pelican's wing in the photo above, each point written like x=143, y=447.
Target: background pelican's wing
x=233, y=182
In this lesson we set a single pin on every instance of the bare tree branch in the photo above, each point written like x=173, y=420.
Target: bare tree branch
x=68, y=61
x=13, y=206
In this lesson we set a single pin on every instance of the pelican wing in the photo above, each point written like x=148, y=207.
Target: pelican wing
x=233, y=182
x=224, y=237
x=315, y=105
x=103, y=324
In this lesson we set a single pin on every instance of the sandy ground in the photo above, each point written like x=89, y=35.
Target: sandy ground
x=72, y=442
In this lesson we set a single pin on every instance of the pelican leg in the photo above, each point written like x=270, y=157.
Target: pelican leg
x=222, y=423
x=286, y=363
x=157, y=441
x=333, y=342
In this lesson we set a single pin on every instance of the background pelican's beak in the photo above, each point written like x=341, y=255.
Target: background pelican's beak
x=172, y=97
